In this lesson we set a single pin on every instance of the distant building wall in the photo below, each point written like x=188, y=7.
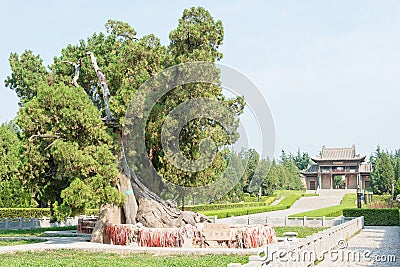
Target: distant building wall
x=311, y=180
x=352, y=182
x=326, y=181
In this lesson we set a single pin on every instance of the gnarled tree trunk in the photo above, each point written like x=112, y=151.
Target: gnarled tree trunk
x=142, y=205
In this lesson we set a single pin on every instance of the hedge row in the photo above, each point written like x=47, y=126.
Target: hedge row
x=24, y=212
x=254, y=198
x=265, y=201
x=379, y=217
x=34, y=212
x=206, y=207
x=243, y=211
x=286, y=203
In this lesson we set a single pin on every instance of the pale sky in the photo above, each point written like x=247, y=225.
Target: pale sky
x=329, y=69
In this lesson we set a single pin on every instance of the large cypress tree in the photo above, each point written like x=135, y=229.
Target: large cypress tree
x=72, y=115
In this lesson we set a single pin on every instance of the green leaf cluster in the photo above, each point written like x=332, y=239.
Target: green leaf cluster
x=70, y=158
x=13, y=191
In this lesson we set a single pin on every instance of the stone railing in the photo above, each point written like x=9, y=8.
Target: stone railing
x=292, y=221
x=30, y=223
x=304, y=252
x=18, y=223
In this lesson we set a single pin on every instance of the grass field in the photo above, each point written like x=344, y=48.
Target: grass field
x=302, y=232
x=289, y=197
x=285, y=203
x=4, y=243
x=284, y=193
x=82, y=258
x=348, y=201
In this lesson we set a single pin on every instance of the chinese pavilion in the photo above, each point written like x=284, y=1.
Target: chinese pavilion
x=337, y=168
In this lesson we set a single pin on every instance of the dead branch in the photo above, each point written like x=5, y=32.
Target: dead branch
x=52, y=143
x=45, y=136
x=128, y=37
x=104, y=86
x=77, y=67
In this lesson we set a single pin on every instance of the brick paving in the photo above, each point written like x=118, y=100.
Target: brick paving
x=373, y=246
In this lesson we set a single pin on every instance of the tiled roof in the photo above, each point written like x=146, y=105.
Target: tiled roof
x=313, y=168
x=347, y=153
x=366, y=167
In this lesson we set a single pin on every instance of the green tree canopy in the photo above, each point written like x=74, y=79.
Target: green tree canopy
x=67, y=149
x=13, y=192
x=382, y=175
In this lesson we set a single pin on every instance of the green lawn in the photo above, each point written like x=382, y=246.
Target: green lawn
x=284, y=193
x=348, y=201
x=35, y=231
x=310, y=195
x=289, y=197
x=82, y=258
x=4, y=243
x=301, y=231
x=224, y=213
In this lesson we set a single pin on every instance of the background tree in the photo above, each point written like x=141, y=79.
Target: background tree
x=397, y=188
x=302, y=160
x=289, y=173
x=260, y=176
x=382, y=175
x=13, y=191
x=377, y=154
x=271, y=181
x=234, y=174
x=338, y=181
x=250, y=159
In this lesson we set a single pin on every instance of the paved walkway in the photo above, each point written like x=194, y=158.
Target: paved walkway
x=326, y=198
x=373, y=246
x=82, y=243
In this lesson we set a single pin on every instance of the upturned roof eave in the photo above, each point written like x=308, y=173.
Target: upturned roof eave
x=316, y=160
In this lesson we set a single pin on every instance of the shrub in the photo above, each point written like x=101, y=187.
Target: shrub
x=286, y=203
x=24, y=212
x=242, y=211
x=254, y=198
x=381, y=217
x=35, y=212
